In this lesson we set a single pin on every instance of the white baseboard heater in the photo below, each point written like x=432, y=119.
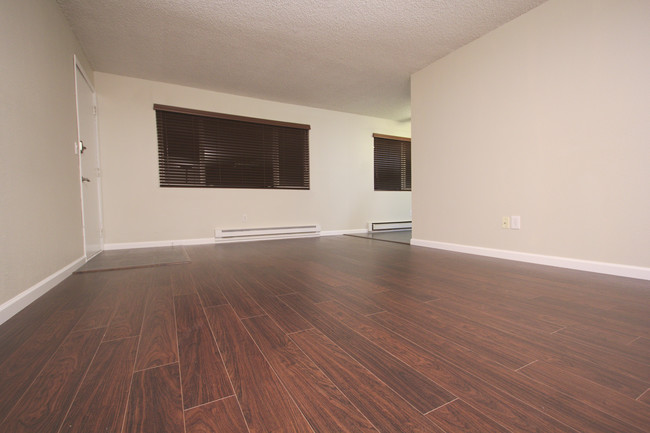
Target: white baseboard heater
x=389, y=226
x=258, y=234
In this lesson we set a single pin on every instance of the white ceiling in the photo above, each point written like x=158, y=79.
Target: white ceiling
x=344, y=55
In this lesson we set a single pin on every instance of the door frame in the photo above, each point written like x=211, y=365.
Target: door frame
x=79, y=67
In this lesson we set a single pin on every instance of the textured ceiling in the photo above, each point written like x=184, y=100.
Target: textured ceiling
x=344, y=55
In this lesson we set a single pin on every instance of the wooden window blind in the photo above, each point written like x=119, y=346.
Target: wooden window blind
x=392, y=163
x=212, y=150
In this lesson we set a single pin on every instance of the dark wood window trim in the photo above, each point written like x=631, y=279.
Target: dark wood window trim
x=392, y=137
x=182, y=110
x=392, y=163
x=203, y=149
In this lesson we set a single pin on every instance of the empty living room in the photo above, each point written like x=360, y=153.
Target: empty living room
x=324, y=216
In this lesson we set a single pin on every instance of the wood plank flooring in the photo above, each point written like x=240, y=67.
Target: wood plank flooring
x=332, y=334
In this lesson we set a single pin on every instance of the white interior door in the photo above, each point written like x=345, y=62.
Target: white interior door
x=88, y=147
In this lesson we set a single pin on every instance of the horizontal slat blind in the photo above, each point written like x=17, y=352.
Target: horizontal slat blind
x=392, y=158
x=217, y=151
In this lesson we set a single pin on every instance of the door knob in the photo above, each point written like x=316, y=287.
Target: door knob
x=85, y=179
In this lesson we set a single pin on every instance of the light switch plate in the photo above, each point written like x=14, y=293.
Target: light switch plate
x=515, y=222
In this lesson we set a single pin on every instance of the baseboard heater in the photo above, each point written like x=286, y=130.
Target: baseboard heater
x=258, y=234
x=389, y=226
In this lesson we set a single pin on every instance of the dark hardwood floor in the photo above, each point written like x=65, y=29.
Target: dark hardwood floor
x=334, y=334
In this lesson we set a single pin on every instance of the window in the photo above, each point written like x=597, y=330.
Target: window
x=212, y=150
x=392, y=163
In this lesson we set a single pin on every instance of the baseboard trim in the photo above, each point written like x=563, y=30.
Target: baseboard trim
x=203, y=241
x=154, y=244
x=23, y=299
x=561, y=262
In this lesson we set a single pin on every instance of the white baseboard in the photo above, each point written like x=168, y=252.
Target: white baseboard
x=561, y=262
x=23, y=299
x=343, y=232
x=154, y=244
x=202, y=241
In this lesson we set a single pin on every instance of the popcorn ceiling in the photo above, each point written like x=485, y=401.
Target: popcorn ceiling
x=344, y=55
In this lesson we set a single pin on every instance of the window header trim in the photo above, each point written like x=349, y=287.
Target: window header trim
x=181, y=110
x=391, y=137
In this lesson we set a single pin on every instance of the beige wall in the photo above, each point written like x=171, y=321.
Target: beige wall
x=136, y=209
x=40, y=209
x=547, y=117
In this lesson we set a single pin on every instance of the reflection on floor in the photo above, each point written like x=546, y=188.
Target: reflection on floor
x=135, y=258
x=398, y=236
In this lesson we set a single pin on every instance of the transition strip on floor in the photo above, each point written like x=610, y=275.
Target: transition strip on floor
x=135, y=258
x=399, y=237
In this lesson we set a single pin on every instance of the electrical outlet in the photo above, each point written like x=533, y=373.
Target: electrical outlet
x=505, y=222
x=515, y=222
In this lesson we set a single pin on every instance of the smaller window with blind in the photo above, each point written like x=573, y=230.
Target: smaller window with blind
x=392, y=163
x=202, y=149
